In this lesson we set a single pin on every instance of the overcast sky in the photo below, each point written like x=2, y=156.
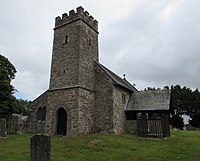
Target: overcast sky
x=154, y=42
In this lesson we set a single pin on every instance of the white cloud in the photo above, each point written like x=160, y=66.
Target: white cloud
x=170, y=9
x=155, y=43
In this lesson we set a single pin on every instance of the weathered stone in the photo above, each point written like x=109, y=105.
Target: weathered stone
x=14, y=123
x=91, y=97
x=119, y=108
x=72, y=77
x=40, y=148
x=3, y=131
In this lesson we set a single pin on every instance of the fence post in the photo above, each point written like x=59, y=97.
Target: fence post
x=142, y=126
x=165, y=128
x=41, y=148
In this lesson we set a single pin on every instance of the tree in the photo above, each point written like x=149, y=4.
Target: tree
x=7, y=73
x=194, y=113
x=175, y=111
x=177, y=121
x=22, y=106
x=184, y=101
x=195, y=120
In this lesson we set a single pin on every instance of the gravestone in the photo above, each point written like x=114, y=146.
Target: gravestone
x=3, y=131
x=41, y=148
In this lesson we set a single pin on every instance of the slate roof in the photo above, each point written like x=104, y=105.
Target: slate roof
x=118, y=80
x=149, y=100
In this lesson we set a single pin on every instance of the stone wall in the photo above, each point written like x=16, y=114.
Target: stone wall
x=53, y=100
x=14, y=122
x=78, y=104
x=85, y=111
x=131, y=126
x=32, y=124
x=64, y=65
x=119, y=108
x=88, y=54
x=103, y=111
x=67, y=99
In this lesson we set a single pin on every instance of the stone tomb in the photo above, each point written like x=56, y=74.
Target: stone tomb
x=3, y=131
x=41, y=148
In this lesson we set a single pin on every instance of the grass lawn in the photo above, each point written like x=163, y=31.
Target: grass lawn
x=181, y=146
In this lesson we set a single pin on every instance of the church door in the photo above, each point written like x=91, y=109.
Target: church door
x=61, y=122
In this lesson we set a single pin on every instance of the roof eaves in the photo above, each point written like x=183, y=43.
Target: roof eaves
x=109, y=73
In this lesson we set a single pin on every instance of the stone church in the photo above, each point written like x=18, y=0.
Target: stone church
x=84, y=96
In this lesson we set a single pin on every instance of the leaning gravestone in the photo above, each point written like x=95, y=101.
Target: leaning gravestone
x=41, y=148
x=3, y=131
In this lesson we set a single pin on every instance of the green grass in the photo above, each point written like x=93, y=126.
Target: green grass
x=181, y=146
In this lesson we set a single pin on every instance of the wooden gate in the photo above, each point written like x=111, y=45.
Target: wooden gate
x=153, y=128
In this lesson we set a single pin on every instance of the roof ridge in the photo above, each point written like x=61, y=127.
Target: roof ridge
x=117, y=79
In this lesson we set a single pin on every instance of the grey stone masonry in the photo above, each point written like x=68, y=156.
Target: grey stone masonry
x=75, y=47
x=119, y=107
x=3, y=131
x=84, y=96
x=40, y=148
x=79, y=14
x=103, y=112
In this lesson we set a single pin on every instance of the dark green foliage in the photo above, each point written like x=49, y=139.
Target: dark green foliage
x=7, y=73
x=22, y=106
x=195, y=120
x=8, y=103
x=184, y=101
x=177, y=121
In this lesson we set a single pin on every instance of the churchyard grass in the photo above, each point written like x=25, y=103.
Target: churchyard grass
x=181, y=146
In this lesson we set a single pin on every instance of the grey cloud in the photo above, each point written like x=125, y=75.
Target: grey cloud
x=150, y=50
x=157, y=51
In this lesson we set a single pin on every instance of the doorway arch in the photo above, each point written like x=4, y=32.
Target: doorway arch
x=61, y=122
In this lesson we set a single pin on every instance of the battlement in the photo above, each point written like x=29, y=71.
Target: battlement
x=79, y=14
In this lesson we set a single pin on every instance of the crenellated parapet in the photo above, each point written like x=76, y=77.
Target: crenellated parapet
x=73, y=16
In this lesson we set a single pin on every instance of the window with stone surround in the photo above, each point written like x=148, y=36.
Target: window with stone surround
x=43, y=118
x=90, y=41
x=123, y=98
x=65, y=39
x=41, y=114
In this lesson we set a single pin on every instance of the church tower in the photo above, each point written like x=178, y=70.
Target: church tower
x=75, y=48
x=67, y=107
x=71, y=90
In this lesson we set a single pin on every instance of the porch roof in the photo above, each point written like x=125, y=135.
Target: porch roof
x=149, y=100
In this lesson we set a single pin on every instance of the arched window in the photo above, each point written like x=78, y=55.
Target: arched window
x=123, y=98
x=65, y=39
x=41, y=114
x=90, y=41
